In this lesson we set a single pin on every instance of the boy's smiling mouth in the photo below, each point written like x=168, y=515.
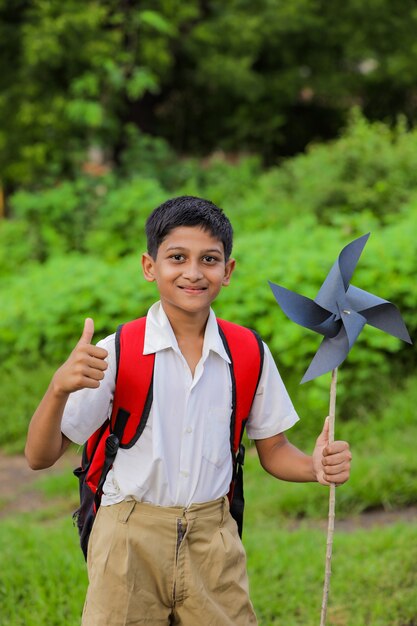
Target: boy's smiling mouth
x=192, y=289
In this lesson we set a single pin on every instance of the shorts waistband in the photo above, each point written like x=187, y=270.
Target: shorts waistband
x=201, y=509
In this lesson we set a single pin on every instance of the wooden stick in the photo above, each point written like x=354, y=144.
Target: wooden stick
x=332, y=502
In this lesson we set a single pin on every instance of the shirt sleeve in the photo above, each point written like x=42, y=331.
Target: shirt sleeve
x=272, y=411
x=87, y=409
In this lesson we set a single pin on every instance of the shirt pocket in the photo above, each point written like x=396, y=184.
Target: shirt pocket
x=216, y=445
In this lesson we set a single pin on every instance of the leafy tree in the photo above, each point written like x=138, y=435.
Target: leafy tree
x=271, y=76
x=71, y=71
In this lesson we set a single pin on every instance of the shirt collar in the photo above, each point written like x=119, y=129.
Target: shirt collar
x=160, y=336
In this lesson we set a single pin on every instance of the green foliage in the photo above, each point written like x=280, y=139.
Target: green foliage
x=289, y=230
x=16, y=249
x=369, y=171
x=268, y=77
x=58, y=218
x=77, y=67
x=104, y=216
x=120, y=221
x=44, y=311
x=22, y=390
x=273, y=76
x=65, y=290
x=152, y=157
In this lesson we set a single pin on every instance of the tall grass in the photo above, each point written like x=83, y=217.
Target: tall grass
x=43, y=579
x=373, y=582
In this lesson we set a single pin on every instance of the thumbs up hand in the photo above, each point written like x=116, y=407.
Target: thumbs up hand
x=88, y=331
x=331, y=461
x=84, y=367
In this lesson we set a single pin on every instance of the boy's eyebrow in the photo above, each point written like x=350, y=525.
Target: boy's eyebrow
x=173, y=247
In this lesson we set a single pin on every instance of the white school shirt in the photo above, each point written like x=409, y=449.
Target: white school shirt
x=183, y=455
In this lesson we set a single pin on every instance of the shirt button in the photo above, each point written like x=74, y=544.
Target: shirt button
x=185, y=474
x=189, y=429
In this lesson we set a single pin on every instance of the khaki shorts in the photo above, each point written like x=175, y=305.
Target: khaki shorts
x=167, y=565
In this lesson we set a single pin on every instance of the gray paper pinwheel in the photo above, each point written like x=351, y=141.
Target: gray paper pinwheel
x=339, y=312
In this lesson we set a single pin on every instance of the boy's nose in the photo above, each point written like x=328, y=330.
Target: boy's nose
x=192, y=272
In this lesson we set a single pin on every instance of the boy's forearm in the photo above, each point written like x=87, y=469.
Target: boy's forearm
x=286, y=462
x=329, y=463
x=45, y=442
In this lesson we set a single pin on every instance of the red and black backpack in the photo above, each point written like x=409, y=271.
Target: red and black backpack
x=132, y=403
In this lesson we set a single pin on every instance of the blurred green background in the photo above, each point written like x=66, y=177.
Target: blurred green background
x=298, y=119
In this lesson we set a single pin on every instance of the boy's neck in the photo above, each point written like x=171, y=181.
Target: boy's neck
x=189, y=329
x=186, y=325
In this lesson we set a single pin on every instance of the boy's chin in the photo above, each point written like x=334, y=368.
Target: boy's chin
x=193, y=304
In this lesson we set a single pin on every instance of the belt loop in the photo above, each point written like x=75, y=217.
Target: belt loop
x=225, y=510
x=126, y=509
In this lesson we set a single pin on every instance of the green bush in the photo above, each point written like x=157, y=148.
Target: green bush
x=366, y=177
x=103, y=216
x=290, y=222
x=119, y=226
x=106, y=216
x=16, y=247
x=371, y=170
x=44, y=309
x=58, y=218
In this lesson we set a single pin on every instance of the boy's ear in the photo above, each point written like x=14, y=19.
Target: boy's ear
x=148, y=267
x=228, y=270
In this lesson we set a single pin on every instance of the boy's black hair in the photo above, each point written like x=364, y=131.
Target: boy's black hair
x=188, y=211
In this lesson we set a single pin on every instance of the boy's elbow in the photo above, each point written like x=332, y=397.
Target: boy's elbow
x=267, y=466
x=35, y=462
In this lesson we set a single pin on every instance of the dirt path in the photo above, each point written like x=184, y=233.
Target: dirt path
x=18, y=494
x=17, y=491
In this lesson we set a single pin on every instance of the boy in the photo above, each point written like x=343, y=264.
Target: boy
x=164, y=548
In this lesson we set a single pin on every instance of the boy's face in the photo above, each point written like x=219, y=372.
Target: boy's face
x=189, y=270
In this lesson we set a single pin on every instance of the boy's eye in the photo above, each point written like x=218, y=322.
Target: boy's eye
x=177, y=257
x=209, y=259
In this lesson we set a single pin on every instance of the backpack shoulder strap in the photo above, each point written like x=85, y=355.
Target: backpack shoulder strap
x=131, y=406
x=134, y=383
x=246, y=352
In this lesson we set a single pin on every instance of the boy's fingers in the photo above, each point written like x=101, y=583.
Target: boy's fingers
x=98, y=353
x=97, y=363
x=89, y=383
x=335, y=448
x=94, y=373
x=88, y=331
x=337, y=459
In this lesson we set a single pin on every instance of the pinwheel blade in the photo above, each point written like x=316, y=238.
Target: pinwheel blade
x=329, y=356
x=333, y=350
x=378, y=312
x=304, y=311
x=339, y=277
x=340, y=311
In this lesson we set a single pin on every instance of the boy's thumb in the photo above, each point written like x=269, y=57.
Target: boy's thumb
x=88, y=331
x=323, y=438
